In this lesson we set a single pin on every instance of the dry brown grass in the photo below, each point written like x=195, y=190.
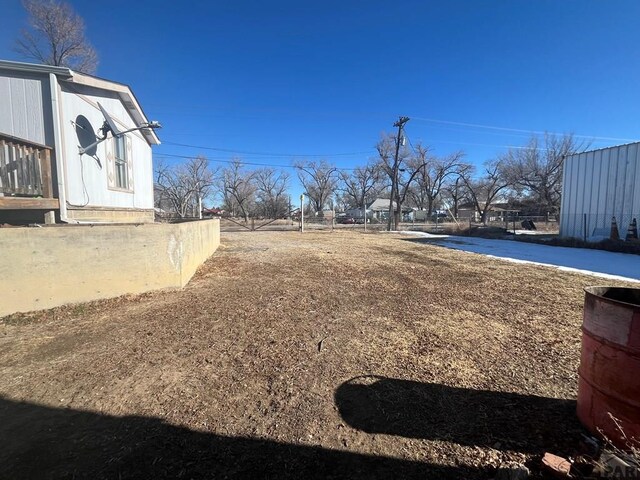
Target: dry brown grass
x=462, y=363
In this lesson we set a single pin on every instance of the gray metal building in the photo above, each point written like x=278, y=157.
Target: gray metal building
x=597, y=186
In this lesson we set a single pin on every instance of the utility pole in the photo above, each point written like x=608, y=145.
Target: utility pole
x=394, y=179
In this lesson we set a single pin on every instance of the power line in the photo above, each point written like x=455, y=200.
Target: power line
x=519, y=130
x=370, y=152
x=515, y=147
x=420, y=119
x=264, y=154
x=217, y=160
x=275, y=165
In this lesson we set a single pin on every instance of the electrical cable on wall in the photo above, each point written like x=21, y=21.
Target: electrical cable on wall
x=85, y=191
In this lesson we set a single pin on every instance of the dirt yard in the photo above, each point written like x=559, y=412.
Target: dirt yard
x=329, y=355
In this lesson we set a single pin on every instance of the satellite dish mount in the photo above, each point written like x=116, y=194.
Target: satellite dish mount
x=110, y=126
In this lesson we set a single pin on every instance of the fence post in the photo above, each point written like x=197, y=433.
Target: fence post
x=584, y=226
x=302, y=213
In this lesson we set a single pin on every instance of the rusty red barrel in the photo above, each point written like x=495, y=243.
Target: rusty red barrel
x=609, y=374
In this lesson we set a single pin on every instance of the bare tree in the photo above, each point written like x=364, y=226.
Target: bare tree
x=536, y=170
x=431, y=178
x=361, y=185
x=182, y=188
x=173, y=189
x=485, y=190
x=319, y=180
x=453, y=191
x=238, y=188
x=271, y=192
x=56, y=37
x=341, y=201
x=201, y=178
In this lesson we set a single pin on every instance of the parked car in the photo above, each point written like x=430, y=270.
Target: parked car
x=346, y=220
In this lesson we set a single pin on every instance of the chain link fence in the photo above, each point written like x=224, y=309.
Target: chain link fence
x=543, y=224
x=546, y=224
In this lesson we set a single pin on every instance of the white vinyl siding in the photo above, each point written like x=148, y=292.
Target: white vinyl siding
x=100, y=175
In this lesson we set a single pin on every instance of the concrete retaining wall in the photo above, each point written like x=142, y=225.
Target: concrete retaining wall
x=113, y=215
x=50, y=266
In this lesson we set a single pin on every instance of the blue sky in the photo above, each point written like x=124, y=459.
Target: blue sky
x=325, y=78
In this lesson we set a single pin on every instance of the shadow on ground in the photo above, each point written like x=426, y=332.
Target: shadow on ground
x=42, y=442
x=505, y=421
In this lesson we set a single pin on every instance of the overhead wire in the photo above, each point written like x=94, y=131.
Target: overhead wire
x=519, y=130
x=218, y=160
x=462, y=125
x=281, y=155
x=473, y=144
x=265, y=154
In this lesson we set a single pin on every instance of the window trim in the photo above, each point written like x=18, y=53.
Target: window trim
x=125, y=165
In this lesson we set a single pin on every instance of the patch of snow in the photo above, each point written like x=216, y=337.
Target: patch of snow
x=533, y=232
x=599, y=263
x=417, y=233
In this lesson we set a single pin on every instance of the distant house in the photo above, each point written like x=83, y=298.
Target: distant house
x=377, y=210
x=212, y=212
x=497, y=212
x=47, y=113
x=357, y=213
x=163, y=207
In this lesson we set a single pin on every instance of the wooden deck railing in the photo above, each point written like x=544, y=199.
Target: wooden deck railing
x=25, y=168
x=25, y=176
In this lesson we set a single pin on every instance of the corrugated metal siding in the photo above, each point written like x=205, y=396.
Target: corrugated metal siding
x=597, y=186
x=87, y=181
x=25, y=111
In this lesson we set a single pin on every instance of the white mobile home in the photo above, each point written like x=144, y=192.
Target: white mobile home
x=597, y=186
x=47, y=114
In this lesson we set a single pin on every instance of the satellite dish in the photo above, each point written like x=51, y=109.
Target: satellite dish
x=108, y=123
x=86, y=135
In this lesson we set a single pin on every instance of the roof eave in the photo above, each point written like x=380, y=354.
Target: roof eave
x=127, y=97
x=36, y=68
x=125, y=93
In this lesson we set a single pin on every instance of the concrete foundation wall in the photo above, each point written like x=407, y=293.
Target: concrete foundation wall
x=51, y=266
x=111, y=215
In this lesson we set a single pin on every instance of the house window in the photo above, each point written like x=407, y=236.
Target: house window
x=121, y=163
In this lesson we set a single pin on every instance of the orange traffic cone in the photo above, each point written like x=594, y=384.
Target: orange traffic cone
x=632, y=231
x=614, y=235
